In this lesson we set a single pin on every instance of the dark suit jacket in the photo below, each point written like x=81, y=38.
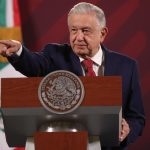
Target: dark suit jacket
x=61, y=57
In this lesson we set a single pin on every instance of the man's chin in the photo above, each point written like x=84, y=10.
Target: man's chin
x=82, y=52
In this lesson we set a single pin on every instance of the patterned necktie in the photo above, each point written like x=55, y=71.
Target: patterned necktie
x=88, y=65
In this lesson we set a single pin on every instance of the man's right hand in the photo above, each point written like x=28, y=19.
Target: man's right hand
x=9, y=47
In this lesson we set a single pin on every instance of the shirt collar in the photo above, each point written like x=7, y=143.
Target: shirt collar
x=97, y=58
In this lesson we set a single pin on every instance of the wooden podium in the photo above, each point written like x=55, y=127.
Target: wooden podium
x=100, y=113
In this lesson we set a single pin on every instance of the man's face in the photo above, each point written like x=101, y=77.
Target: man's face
x=86, y=35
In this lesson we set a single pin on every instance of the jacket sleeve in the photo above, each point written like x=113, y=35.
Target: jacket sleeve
x=134, y=112
x=31, y=64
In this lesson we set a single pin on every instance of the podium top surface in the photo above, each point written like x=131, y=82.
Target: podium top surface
x=23, y=92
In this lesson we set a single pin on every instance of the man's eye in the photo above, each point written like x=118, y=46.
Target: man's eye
x=73, y=30
x=86, y=31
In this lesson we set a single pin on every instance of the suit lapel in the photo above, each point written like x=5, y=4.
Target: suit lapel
x=75, y=64
x=108, y=62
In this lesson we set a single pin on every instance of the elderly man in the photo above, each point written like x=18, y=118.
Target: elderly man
x=87, y=27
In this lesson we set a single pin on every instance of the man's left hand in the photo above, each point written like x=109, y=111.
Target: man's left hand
x=125, y=130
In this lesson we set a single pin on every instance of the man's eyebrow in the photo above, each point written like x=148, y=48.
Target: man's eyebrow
x=73, y=27
x=86, y=27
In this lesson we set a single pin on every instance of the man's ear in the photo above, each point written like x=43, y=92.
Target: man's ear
x=104, y=32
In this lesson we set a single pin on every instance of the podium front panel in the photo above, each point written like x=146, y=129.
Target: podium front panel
x=100, y=112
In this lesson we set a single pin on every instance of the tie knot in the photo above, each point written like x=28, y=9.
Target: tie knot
x=88, y=63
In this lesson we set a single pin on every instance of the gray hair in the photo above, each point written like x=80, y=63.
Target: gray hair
x=83, y=8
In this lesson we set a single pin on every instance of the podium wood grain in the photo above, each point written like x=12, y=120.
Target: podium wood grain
x=23, y=92
x=61, y=140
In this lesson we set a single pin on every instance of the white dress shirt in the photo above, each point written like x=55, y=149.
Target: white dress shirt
x=97, y=59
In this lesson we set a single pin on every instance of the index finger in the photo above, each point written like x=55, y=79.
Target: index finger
x=8, y=43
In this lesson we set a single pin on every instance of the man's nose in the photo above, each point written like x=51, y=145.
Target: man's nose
x=80, y=36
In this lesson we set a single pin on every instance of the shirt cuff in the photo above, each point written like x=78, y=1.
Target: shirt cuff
x=18, y=53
